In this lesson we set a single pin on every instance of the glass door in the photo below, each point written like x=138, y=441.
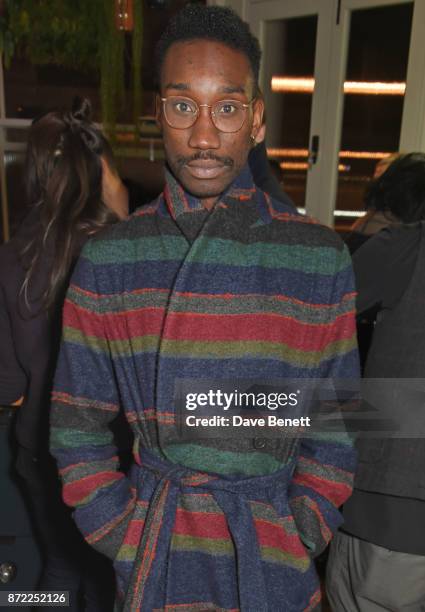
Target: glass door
x=344, y=84
x=286, y=75
x=295, y=38
x=373, y=98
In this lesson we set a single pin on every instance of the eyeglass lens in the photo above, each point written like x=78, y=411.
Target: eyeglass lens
x=227, y=115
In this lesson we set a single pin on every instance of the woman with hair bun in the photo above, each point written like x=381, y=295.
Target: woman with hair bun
x=73, y=191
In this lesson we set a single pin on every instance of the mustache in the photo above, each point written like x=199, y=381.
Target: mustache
x=225, y=161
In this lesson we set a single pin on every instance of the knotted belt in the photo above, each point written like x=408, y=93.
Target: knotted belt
x=232, y=494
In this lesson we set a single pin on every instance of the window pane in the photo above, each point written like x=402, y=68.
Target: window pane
x=288, y=113
x=378, y=56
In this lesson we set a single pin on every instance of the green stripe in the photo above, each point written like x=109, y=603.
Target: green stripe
x=217, y=461
x=211, y=349
x=195, y=502
x=207, y=545
x=217, y=251
x=255, y=350
x=73, y=439
x=242, y=304
x=120, y=303
x=122, y=251
x=283, y=557
x=127, y=552
x=268, y=513
x=72, y=335
x=331, y=475
x=88, y=469
x=291, y=257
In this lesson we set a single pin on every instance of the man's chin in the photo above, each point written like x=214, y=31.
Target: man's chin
x=205, y=188
x=204, y=194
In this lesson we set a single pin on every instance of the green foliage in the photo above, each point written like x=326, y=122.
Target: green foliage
x=61, y=32
x=76, y=34
x=137, y=60
x=111, y=54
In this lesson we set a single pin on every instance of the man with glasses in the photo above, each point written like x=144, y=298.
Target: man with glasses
x=214, y=280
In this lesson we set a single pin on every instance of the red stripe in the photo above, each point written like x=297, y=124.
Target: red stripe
x=142, y=322
x=208, y=327
x=134, y=532
x=90, y=323
x=201, y=524
x=74, y=466
x=75, y=492
x=274, y=536
x=262, y=327
x=335, y=492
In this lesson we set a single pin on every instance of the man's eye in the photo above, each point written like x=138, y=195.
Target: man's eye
x=183, y=107
x=227, y=109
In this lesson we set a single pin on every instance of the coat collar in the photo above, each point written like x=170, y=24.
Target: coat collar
x=178, y=201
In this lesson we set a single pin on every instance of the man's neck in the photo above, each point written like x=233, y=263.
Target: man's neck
x=208, y=203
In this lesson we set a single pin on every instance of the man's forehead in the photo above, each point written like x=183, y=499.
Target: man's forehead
x=229, y=67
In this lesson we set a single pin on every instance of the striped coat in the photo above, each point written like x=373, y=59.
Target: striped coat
x=248, y=291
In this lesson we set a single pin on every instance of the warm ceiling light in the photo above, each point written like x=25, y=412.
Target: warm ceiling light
x=297, y=84
x=294, y=166
x=304, y=166
x=306, y=85
x=377, y=88
x=273, y=152
x=365, y=154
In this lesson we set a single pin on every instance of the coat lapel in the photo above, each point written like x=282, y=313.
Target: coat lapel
x=208, y=235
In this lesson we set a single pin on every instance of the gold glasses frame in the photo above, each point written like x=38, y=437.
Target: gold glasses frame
x=245, y=105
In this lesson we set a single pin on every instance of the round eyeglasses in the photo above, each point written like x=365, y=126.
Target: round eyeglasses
x=227, y=115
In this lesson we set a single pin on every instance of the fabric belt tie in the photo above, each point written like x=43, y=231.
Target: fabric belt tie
x=232, y=494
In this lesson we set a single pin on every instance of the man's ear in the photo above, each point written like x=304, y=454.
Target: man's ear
x=258, y=130
x=158, y=111
x=261, y=134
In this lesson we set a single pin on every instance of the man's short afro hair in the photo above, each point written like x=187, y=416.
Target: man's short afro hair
x=216, y=23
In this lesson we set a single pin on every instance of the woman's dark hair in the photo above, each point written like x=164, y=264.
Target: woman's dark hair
x=63, y=179
x=400, y=190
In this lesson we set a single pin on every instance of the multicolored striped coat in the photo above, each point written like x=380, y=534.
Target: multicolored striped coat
x=250, y=290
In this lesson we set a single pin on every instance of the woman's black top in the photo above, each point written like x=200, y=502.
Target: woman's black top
x=29, y=337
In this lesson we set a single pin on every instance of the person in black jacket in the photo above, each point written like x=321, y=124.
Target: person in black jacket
x=73, y=191
x=377, y=560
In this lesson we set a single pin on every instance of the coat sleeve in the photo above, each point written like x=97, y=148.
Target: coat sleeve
x=324, y=473
x=84, y=404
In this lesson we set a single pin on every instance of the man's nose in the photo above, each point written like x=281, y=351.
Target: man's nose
x=204, y=134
